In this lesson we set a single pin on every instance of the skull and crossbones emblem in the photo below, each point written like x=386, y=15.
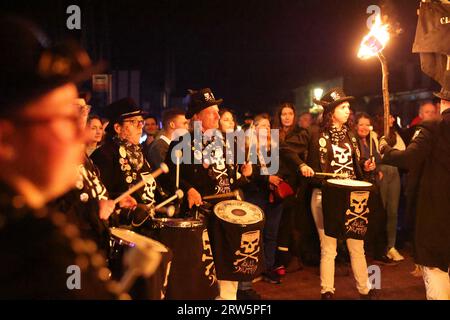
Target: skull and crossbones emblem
x=249, y=247
x=343, y=157
x=359, y=207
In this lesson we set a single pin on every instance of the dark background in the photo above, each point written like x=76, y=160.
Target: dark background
x=251, y=53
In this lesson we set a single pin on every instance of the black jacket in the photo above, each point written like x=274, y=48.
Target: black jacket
x=320, y=161
x=118, y=175
x=198, y=176
x=35, y=255
x=430, y=149
x=82, y=208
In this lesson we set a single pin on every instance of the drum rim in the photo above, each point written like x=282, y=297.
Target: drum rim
x=179, y=222
x=152, y=243
x=361, y=183
x=240, y=201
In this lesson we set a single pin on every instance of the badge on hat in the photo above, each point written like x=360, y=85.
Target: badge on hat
x=335, y=95
x=208, y=96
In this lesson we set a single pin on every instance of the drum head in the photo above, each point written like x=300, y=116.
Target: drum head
x=133, y=239
x=349, y=183
x=177, y=222
x=238, y=212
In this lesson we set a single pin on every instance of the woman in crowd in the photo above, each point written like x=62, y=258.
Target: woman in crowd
x=94, y=128
x=368, y=145
x=259, y=190
x=390, y=188
x=288, y=239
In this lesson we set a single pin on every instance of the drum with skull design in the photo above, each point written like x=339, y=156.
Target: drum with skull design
x=236, y=238
x=346, y=208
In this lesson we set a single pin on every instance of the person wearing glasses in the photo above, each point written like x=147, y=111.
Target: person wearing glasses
x=41, y=145
x=121, y=162
x=87, y=204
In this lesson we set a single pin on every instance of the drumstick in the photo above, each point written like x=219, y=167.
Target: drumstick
x=163, y=169
x=342, y=175
x=223, y=195
x=370, y=143
x=178, y=155
x=178, y=195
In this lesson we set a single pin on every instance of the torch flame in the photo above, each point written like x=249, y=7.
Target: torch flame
x=375, y=41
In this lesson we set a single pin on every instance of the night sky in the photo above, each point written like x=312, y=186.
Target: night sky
x=251, y=53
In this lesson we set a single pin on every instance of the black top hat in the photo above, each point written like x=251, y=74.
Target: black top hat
x=332, y=98
x=30, y=66
x=444, y=94
x=199, y=100
x=122, y=109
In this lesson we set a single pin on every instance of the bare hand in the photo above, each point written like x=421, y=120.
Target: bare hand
x=369, y=165
x=275, y=180
x=247, y=169
x=128, y=202
x=307, y=171
x=194, y=198
x=105, y=208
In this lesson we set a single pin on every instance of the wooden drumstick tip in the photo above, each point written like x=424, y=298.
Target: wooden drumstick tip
x=164, y=168
x=178, y=154
x=179, y=193
x=170, y=211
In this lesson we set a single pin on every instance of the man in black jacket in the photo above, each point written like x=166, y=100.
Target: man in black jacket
x=430, y=149
x=203, y=169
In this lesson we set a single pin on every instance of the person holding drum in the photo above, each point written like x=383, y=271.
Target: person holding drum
x=41, y=252
x=204, y=172
x=339, y=209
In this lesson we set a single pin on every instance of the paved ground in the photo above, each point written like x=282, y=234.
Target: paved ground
x=396, y=284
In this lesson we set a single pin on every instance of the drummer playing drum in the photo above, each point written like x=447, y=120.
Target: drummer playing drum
x=332, y=149
x=206, y=178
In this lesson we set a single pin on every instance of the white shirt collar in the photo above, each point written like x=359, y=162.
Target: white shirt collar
x=163, y=137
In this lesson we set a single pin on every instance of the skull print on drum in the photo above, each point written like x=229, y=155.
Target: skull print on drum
x=236, y=238
x=346, y=208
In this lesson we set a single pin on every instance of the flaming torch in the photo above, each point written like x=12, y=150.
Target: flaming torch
x=372, y=45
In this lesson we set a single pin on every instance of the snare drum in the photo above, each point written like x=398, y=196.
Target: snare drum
x=346, y=208
x=236, y=237
x=152, y=288
x=192, y=273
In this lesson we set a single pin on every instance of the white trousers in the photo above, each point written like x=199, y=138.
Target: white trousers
x=328, y=252
x=437, y=283
x=227, y=290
